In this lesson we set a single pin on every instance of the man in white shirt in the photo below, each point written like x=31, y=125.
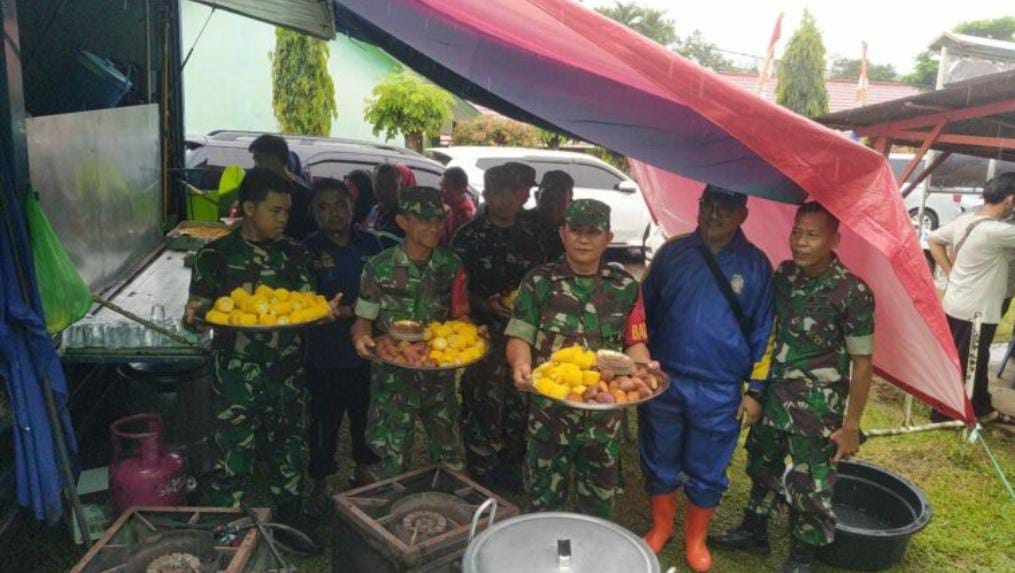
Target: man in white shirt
x=973, y=252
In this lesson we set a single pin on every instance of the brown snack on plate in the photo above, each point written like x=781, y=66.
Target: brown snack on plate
x=633, y=396
x=620, y=396
x=573, y=397
x=605, y=398
x=605, y=374
x=590, y=393
x=626, y=383
x=619, y=362
x=406, y=330
x=644, y=392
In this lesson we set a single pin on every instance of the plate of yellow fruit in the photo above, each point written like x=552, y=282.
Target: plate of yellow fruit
x=603, y=380
x=441, y=345
x=267, y=308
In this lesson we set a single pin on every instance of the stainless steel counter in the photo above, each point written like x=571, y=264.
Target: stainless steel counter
x=107, y=336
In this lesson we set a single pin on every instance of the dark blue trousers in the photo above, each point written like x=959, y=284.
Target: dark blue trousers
x=687, y=437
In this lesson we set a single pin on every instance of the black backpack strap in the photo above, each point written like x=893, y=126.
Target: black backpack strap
x=727, y=291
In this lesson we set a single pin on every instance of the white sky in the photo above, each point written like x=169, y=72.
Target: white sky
x=895, y=30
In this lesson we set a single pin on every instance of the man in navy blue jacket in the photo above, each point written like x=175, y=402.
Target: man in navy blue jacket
x=708, y=299
x=337, y=377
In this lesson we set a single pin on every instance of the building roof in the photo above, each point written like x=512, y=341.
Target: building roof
x=988, y=48
x=841, y=93
x=979, y=115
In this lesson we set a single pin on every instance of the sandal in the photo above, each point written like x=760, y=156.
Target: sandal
x=998, y=417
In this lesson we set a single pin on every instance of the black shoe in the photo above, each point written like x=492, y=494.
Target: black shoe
x=751, y=536
x=801, y=558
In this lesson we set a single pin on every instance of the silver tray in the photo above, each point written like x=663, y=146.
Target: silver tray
x=664, y=384
x=275, y=328
x=378, y=359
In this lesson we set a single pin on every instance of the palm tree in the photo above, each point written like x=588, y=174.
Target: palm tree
x=648, y=22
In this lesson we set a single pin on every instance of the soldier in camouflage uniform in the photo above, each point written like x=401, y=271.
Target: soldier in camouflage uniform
x=257, y=379
x=416, y=280
x=575, y=300
x=498, y=249
x=812, y=405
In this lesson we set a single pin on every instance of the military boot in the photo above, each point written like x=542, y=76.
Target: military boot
x=801, y=558
x=751, y=535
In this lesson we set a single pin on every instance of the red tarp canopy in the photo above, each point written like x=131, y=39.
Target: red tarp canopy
x=559, y=64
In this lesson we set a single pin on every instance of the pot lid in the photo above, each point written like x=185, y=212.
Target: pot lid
x=551, y=542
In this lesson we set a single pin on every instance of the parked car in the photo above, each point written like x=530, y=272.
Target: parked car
x=955, y=187
x=208, y=155
x=632, y=223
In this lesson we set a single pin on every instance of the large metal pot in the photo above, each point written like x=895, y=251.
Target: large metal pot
x=551, y=542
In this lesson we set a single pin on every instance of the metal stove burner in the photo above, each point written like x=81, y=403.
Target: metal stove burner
x=425, y=522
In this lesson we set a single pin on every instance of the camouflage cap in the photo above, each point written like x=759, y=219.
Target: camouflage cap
x=423, y=202
x=592, y=212
x=723, y=196
x=556, y=178
x=525, y=174
x=498, y=178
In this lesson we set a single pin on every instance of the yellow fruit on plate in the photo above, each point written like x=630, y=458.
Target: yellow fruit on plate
x=217, y=317
x=282, y=320
x=239, y=295
x=264, y=290
x=267, y=319
x=224, y=304
x=281, y=307
x=248, y=319
x=439, y=343
x=281, y=294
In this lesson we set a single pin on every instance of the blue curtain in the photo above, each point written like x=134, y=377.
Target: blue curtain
x=26, y=356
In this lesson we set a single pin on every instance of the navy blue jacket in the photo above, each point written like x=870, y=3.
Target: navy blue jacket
x=337, y=269
x=692, y=330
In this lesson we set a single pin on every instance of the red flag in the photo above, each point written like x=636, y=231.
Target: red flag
x=776, y=32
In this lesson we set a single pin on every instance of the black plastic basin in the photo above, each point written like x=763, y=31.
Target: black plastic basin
x=878, y=511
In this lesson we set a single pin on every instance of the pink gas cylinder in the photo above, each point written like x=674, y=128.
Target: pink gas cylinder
x=143, y=471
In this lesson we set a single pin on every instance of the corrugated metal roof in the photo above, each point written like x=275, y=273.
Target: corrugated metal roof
x=984, y=90
x=314, y=17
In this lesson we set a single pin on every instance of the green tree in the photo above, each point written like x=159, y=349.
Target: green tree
x=493, y=130
x=924, y=72
x=801, y=86
x=648, y=22
x=302, y=93
x=551, y=139
x=849, y=69
x=697, y=49
x=404, y=102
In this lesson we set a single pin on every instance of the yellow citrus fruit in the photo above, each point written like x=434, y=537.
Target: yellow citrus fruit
x=238, y=294
x=234, y=317
x=283, y=320
x=264, y=290
x=281, y=307
x=439, y=343
x=217, y=317
x=224, y=304
x=282, y=294
x=267, y=319
x=248, y=319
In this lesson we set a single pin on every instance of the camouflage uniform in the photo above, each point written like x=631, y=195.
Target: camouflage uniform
x=493, y=412
x=257, y=379
x=394, y=288
x=820, y=322
x=557, y=308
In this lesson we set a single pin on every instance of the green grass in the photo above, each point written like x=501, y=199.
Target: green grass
x=972, y=528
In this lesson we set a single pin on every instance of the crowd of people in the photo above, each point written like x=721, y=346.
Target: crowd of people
x=786, y=352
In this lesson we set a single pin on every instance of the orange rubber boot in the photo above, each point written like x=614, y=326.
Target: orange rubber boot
x=664, y=508
x=696, y=521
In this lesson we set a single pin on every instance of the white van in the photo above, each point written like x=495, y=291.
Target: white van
x=631, y=221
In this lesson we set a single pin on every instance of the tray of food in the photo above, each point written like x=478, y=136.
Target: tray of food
x=267, y=309
x=192, y=235
x=435, y=346
x=603, y=380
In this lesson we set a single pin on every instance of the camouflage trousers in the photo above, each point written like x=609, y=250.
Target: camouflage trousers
x=247, y=396
x=398, y=397
x=561, y=439
x=807, y=486
x=494, y=415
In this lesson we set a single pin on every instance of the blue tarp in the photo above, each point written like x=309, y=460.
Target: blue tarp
x=26, y=355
